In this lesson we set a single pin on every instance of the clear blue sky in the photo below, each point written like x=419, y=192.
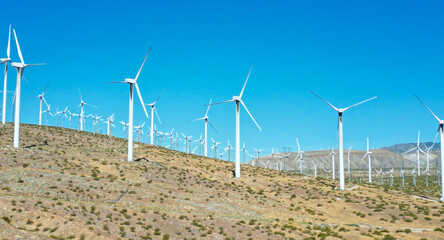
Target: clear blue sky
x=346, y=51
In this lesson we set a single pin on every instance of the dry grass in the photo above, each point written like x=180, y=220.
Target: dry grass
x=78, y=186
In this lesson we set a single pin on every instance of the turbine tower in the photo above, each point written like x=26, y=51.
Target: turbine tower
x=205, y=118
x=341, y=143
x=238, y=101
x=440, y=129
x=132, y=83
x=20, y=69
x=5, y=83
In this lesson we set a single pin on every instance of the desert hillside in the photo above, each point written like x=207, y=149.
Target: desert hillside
x=62, y=184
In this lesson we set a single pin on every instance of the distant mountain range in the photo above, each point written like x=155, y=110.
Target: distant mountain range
x=404, y=147
x=386, y=158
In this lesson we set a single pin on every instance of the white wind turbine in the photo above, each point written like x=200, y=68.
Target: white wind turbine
x=228, y=148
x=348, y=162
x=215, y=147
x=368, y=153
x=5, y=83
x=418, y=149
x=153, y=109
x=81, y=110
x=70, y=118
x=238, y=101
x=132, y=83
x=109, y=121
x=42, y=99
x=139, y=132
x=20, y=69
x=428, y=149
x=300, y=156
x=47, y=111
x=341, y=143
x=257, y=156
x=206, y=121
x=315, y=169
x=64, y=115
x=124, y=126
x=186, y=142
x=440, y=129
x=200, y=143
x=333, y=163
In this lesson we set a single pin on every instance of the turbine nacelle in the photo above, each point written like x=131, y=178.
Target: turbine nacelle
x=129, y=80
x=237, y=99
x=3, y=60
x=18, y=65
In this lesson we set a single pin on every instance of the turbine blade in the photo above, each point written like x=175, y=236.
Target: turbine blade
x=212, y=126
x=46, y=87
x=8, y=50
x=44, y=100
x=198, y=119
x=117, y=82
x=209, y=104
x=245, y=84
x=158, y=118
x=34, y=64
x=140, y=69
x=18, y=48
x=90, y=105
x=409, y=150
x=428, y=109
x=354, y=105
x=323, y=100
x=243, y=104
x=81, y=99
x=159, y=96
x=364, y=156
x=140, y=96
x=223, y=102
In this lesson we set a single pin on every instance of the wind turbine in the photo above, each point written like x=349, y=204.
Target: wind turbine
x=215, y=147
x=42, y=99
x=81, y=110
x=109, y=121
x=428, y=149
x=315, y=169
x=132, y=83
x=200, y=143
x=418, y=149
x=153, y=109
x=186, y=142
x=238, y=101
x=369, y=163
x=70, y=118
x=341, y=143
x=333, y=163
x=64, y=114
x=228, y=148
x=47, y=111
x=257, y=155
x=5, y=83
x=440, y=129
x=20, y=69
x=205, y=118
x=348, y=160
x=124, y=126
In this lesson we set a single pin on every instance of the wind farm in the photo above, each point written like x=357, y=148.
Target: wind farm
x=114, y=170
